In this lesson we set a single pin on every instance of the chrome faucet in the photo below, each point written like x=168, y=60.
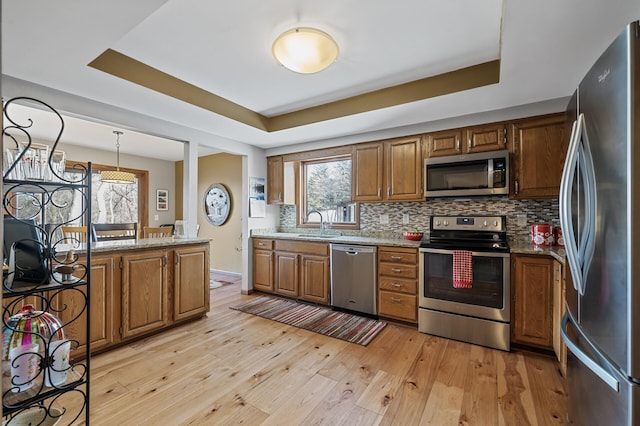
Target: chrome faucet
x=323, y=224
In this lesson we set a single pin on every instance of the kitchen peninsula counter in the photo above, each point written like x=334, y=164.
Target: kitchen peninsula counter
x=141, y=287
x=143, y=243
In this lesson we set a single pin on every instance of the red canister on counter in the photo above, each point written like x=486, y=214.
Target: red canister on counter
x=559, y=237
x=542, y=235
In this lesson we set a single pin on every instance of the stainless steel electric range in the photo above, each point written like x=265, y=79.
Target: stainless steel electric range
x=479, y=311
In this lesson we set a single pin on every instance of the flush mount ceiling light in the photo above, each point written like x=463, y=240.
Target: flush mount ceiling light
x=117, y=176
x=305, y=50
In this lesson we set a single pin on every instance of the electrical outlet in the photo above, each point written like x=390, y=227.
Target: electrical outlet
x=384, y=219
x=521, y=219
x=405, y=218
x=156, y=217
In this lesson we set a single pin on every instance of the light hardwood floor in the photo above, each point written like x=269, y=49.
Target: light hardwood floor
x=235, y=368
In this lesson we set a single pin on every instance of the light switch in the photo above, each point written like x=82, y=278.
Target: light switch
x=156, y=217
x=384, y=219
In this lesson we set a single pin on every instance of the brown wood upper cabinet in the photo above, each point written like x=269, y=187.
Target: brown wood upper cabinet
x=539, y=147
x=275, y=180
x=388, y=171
x=488, y=137
x=281, y=181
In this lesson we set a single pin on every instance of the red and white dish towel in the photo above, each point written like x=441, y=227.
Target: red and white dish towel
x=462, y=269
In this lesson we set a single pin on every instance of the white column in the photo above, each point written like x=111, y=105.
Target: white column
x=190, y=188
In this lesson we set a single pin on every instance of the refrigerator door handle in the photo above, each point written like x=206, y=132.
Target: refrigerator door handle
x=587, y=170
x=591, y=364
x=566, y=222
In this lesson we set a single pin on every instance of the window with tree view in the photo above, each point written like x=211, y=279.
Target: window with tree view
x=327, y=189
x=110, y=203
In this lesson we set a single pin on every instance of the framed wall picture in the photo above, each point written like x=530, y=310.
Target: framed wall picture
x=162, y=199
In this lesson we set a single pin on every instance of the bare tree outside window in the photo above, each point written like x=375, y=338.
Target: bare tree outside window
x=328, y=190
x=114, y=202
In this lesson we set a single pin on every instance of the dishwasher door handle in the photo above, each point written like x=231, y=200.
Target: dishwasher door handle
x=352, y=253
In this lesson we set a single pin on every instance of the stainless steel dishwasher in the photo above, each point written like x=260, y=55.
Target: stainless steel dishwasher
x=353, y=278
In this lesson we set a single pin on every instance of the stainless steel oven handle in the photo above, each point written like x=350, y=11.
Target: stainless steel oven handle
x=473, y=253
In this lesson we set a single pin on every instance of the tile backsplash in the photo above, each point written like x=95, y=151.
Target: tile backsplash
x=521, y=214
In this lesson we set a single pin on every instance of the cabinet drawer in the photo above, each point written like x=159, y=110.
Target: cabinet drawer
x=409, y=257
x=320, y=249
x=398, y=270
x=398, y=284
x=261, y=243
x=397, y=305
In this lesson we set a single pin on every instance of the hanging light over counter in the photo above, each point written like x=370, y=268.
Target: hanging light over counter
x=117, y=175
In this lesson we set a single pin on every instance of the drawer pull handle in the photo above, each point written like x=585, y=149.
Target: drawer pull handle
x=396, y=300
x=396, y=257
x=396, y=285
x=396, y=270
x=260, y=244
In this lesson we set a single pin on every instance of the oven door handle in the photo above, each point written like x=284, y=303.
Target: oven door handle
x=473, y=253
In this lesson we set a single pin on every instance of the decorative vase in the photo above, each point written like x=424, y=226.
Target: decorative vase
x=25, y=338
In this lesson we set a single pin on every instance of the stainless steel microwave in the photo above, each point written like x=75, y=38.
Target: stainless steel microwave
x=482, y=173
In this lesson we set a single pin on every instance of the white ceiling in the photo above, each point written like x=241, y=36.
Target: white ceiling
x=545, y=47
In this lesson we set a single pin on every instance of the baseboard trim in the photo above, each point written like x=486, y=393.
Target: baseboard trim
x=219, y=271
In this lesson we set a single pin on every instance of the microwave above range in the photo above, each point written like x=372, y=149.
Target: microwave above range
x=483, y=173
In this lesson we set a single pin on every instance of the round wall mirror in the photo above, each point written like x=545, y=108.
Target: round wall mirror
x=217, y=204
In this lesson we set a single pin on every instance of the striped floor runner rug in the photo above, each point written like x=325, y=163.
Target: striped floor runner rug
x=341, y=325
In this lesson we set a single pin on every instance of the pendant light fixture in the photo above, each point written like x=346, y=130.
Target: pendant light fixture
x=117, y=176
x=305, y=50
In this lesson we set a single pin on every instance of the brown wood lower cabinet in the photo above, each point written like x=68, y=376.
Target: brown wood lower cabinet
x=263, y=264
x=191, y=269
x=71, y=307
x=287, y=275
x=301, y=269
x=532, y=318
x=560, y=278
x=398, y=283
x=136, y=293
x=315, y=278
x=145, y=292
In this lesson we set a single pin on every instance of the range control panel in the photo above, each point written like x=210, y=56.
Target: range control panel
x=469, y=223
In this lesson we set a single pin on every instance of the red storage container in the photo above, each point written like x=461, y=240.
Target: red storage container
x=542, y=235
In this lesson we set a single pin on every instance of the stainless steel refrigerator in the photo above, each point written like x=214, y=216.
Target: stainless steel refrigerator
x=600, y=219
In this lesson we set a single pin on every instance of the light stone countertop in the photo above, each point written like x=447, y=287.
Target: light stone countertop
x=524, y=247
x=130, y=245
x=517, y=247
x=342, y=239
